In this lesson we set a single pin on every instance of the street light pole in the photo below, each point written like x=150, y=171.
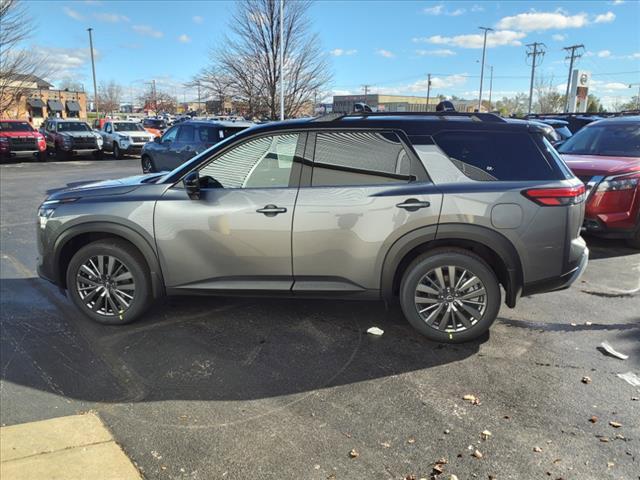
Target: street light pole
x=93, y=68
x=428, y=90
x=490, y=86
x=281, y=60
x=484, y=48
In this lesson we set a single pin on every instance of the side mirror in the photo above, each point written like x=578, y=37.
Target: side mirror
x=192, y=185
x=157, y=139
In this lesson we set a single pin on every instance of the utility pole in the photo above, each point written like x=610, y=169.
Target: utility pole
x=281, y=60
x=366, y=92
x=484, y=49
x=490, y=86
x=93, y=68
x=631, y=85
x=199, y=107
x=155, y=97
x=428, y=89
x=572, y=57
x=535, y=49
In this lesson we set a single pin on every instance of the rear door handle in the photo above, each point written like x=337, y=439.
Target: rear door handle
x=271, y=210
x=413, y=204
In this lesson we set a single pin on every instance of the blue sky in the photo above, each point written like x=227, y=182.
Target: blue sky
x=390, y=45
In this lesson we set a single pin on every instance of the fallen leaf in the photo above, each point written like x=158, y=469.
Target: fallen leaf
x=438, y=469
x=604, y=439
x=477, y=454
x=353, y=453
x=442, y=461
x=557, y=460
x=588, y=324
x=163, y=467
x=593, y=419
x=472, y=399
x=620, y=437
x=411, y=440
x=586, y=380
x=386, y=444
x=447, y=431
x=615, y=424
x=453, y=477
x=486, y=434
x=346, y=434
x=537, y=449
x=610, y=464
x=375, y=331
x=411, y=476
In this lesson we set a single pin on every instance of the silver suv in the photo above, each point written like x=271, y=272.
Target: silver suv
x=435, y=210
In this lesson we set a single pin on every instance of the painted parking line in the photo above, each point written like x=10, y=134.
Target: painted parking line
x=73, y=447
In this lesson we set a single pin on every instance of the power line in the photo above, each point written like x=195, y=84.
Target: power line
x=535, y=49
x=573, y=56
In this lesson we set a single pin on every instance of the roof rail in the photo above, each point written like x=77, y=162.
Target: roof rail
x=329, y=117
x=477, y=116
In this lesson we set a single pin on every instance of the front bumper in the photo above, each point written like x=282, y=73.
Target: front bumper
x=132, y=149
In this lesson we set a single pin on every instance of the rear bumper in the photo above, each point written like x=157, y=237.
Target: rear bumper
x=595, y=226
x=561, y=282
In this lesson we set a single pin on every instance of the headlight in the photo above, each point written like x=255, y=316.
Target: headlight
x=48, y=207
x=619, y=182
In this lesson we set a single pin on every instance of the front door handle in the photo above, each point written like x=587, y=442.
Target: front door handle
x=413, y=204
x=271, y=210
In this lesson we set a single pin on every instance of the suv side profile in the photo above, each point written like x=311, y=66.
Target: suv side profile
x=184, y=141
x=435, y=210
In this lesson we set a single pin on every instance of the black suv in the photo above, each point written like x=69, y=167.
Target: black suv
x=436, y=211
x=184, y=141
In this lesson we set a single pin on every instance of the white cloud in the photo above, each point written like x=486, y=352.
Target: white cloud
x=615, y=86
x=65, y=62
x=477, y=8
x=197, y=19
x=475, y=40
x=184, y=38
x=604, y=53
x=605, y=17
x=536, y=21
x=147, y=31
x=559, y=37
x=443, y=52
x=70, y=12
x=440, y=10
x=339, y=52
x=111, y=17
x=633, y=56
x=385, y=53
x=618, y=2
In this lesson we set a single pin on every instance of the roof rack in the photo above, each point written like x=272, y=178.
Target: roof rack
x=475, y=116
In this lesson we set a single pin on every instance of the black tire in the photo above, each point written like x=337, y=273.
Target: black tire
x=116, y=151
x=98, y=154
x=634, y=242
x=441, y=258
x=147, y=164
x=61, y=155
x=132, y=260
x=41, y=156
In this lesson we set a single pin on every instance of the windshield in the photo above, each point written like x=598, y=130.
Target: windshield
x=619, y=140
x=15, y=127
x=127, y=127
x=73, y=127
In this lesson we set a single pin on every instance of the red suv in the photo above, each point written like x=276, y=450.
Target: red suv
x=605, y=155
x=18, y=138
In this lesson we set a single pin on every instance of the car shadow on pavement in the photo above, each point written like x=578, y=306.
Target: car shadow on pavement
x=600, y=248
x=207, y=348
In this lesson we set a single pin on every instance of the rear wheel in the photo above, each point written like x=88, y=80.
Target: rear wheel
x=116, y=151
x=450, y=295
x=109, y=281
x=635, y=240
x=147, y=164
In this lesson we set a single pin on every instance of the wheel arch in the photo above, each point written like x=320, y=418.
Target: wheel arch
x=78, y=236
x=491, y=246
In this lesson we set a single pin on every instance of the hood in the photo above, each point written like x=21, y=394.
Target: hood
x=79, y=134
x=20, y=134
x=105, y=187
x=601, y=165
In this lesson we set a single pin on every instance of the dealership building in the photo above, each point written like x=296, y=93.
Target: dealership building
x=32, y=97
x=398, y=103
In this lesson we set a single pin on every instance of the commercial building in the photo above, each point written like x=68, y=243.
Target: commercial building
x=28, y=96
x=385, y=103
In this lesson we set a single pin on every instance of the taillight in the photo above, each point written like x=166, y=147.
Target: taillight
x=620, y=182
x=552, y=197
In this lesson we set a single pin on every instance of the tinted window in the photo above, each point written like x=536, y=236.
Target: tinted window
x=228, y=131
x=615, y=140
x=260, y=163
x=359, y=158
x=170, y=135
x=127, y=127
x=73, y=127
x=186, y=133
x=208, y=134
x=490, y=156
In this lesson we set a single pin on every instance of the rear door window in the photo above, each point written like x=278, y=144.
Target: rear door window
x=496, y=156
x=185, y=133
x=360, y=158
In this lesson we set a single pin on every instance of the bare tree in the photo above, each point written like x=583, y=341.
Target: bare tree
x=109, y=96
x=250, y=58
x=549, y=99
x=69, y=83
x=158, y=101
x=18, y=66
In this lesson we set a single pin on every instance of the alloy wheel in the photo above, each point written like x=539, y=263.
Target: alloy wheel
x=450, y=298
x=105, y=285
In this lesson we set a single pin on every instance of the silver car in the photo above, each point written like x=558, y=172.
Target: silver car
x=434, y=211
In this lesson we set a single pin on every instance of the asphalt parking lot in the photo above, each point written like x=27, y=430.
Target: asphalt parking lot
x=210, y=388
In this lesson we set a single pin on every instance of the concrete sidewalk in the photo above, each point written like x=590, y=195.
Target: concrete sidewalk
x=74, y=447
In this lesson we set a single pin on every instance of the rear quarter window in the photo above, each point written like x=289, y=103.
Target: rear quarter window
x=497, y=156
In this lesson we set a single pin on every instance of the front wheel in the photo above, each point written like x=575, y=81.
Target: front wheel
x=98, y=154
x=117, y=154
x=147, y=164
x=450, y=295
x=108, y=280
